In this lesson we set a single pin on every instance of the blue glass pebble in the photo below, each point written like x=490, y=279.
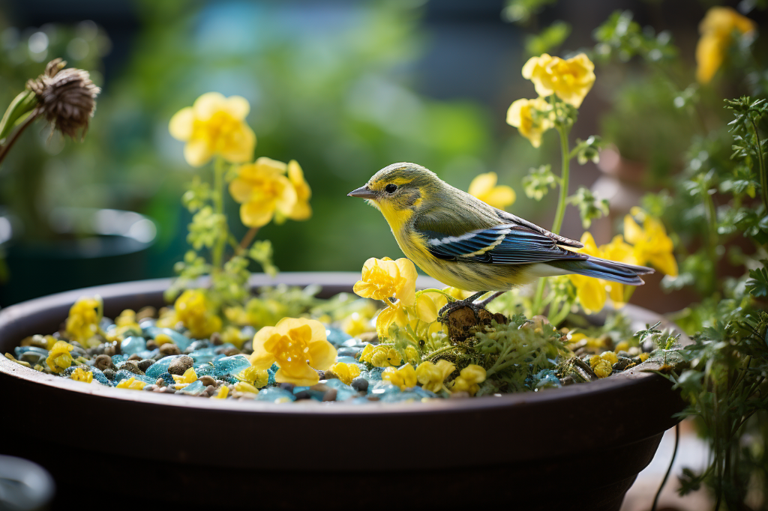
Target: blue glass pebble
x=117, y=359
x=359, y=401
x=382, y=389
x=343, y=391
x=181, y=341
x=224, y=347
x=21, y=350
x=347, y=352
x=247, y=332
x=203, y=356
x=273, y=394
x=354, y=343
x=161, y=366
x=133, y=345
x=546, y=378
x=423, y=392
x=106, y=323
x=203, y=370
x=230, y=365
x=198, y=345
x=167, y=378
x=147, y=323
x=398, y=397
x=373, y=375
x=99, y=376
x=148, y=353
x=194, y=388
x=347, y=360
x=336, y=336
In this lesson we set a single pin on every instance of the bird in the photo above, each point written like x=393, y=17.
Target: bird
x=465, y=243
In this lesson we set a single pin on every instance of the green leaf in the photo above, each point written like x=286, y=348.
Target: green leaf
x=206, y=227
x=538, y=182
x=198, y=194
x=588, y=150
x=261, y=252
x=757, y=285
x=522, y=11
x=548, y=40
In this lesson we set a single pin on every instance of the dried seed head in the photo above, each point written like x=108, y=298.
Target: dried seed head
x=66, y=97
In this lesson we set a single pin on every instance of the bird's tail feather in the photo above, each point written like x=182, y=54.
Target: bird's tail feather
x=604, y=269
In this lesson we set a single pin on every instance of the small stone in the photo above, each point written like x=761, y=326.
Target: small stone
x=304, y=394
x=145, y=364
x=134, y=357
x=460, y=395
x=287, y=386
x=151, y=345
x=360, y=384
x=169, y=390
x=208, y=380
x=132, y=366
x=109, y=373
x=160, y=382
x=110, y=349
x=232, y=351
x=247, y=347
x=209, y=390
x=145, y=313
x=369, y=337
x=330, y=395
x=328, y=375
x=169, y=349
x=320, y=387
x=181, y=364
x=150, y=388
x=103, y=362
x=216, y=339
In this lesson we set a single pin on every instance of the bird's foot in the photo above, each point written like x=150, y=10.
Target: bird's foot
x=447, y=309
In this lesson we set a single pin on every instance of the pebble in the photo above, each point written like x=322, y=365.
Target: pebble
x=132, y=366
x=150, y=388
x=231, y=352
x=216, y=339
x=109, y=373
x=360, y=384
x=134, y=357
x=169, y=349
x=460, y=395
x=330, y=395
x=110, y=349
x=209, y=390
x=248, y=347
x=304, y=394
x=208, y=381
x=160, y=382
x=103, y=362
x=151, y=344
x=145, y=364
x=181, y=364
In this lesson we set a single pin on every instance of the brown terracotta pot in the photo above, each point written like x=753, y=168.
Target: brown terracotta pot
x=579, y=447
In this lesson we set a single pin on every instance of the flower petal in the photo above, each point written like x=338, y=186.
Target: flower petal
x=322, y=354
x=303, y=375
x=197, y=152
x=407, y=285
x=592, y=295
x=240, y=190
x=257, y=214
x=239, y=145
x=182, y=123
x=482, y=184
x=208, y=104
x=238, y=107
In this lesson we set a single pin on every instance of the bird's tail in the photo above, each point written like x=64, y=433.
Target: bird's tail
x=604, y=269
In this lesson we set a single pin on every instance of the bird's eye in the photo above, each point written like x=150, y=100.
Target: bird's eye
x=390, y=188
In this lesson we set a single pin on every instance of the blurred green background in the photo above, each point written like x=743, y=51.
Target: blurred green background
x=344, y=87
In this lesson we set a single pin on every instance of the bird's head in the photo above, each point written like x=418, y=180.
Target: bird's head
x=398, y=190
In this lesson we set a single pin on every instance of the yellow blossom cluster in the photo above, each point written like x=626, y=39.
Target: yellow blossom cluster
x=381, y=355
x=570, y=80
x=602, y=365
x=484, y=188
x=388, y=280
x=125, y=323
x=298, y=346
x=345, y=372
x=59, y=357
x=650, y=244
x=254, y=376
x=84, y=318
x=717, y=30
x=469, y=379
x=432, y=376
x=193, y=309
x=403, y=376
x=79, y=374
x=131, y=384
x=270, y=189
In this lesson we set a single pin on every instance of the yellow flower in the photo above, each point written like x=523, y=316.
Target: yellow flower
x=188, y=377
x=298, y=346
x=521, y=116
x=384, y=279
x=600, y=366
x=214, y=125
x=84, y=318
x=223, y=393
x=590, y=291
x=412, y=356
x=431, y=376
x=262, y=188
x=403, y=377
x=80, y=375
x=384, y=356
x=620, y=251
x=643, y=357
x=717, y=30
x=622, y=346
x=651, y=243
x=356, y=324
x=469, y=379
x=59, y=357
x=610, y=356
x=256, y=377
x=242, y=386
x=301, y=210
x=570, y=79
x=345, y=372
x=194, y=311
x=484, y=188
x=131, y=384
x=233, y=336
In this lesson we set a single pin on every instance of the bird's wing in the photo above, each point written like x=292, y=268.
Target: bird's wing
x=561, y=240
x=508, y=243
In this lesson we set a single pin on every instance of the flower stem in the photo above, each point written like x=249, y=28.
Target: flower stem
x=561, y=202
x=218, y=203
x=434, y=290
x=15, y=135
x=248, y=238
x=763, y=169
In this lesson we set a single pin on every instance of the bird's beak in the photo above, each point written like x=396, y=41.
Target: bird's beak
x=363, y=192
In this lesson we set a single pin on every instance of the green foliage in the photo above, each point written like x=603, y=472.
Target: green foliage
x=590, y=207
x=261, y=252
x=623, y=38
x=757, y=285
x=588, y=150
x=538, y=182
x=550, y=39
x=523, y=11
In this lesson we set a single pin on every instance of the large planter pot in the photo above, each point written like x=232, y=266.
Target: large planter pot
x=579, y=447
x=98, y=246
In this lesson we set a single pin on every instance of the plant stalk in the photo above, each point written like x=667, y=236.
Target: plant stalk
x=218, y=202
x=15, y=135
x=763, y=170
x=561, y=203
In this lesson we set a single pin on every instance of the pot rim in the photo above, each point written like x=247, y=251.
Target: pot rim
x=629, y=379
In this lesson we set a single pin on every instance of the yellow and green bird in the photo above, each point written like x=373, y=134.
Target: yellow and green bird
x=465, y=243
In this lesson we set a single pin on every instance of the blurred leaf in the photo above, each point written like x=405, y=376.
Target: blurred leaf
x=548, y=40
